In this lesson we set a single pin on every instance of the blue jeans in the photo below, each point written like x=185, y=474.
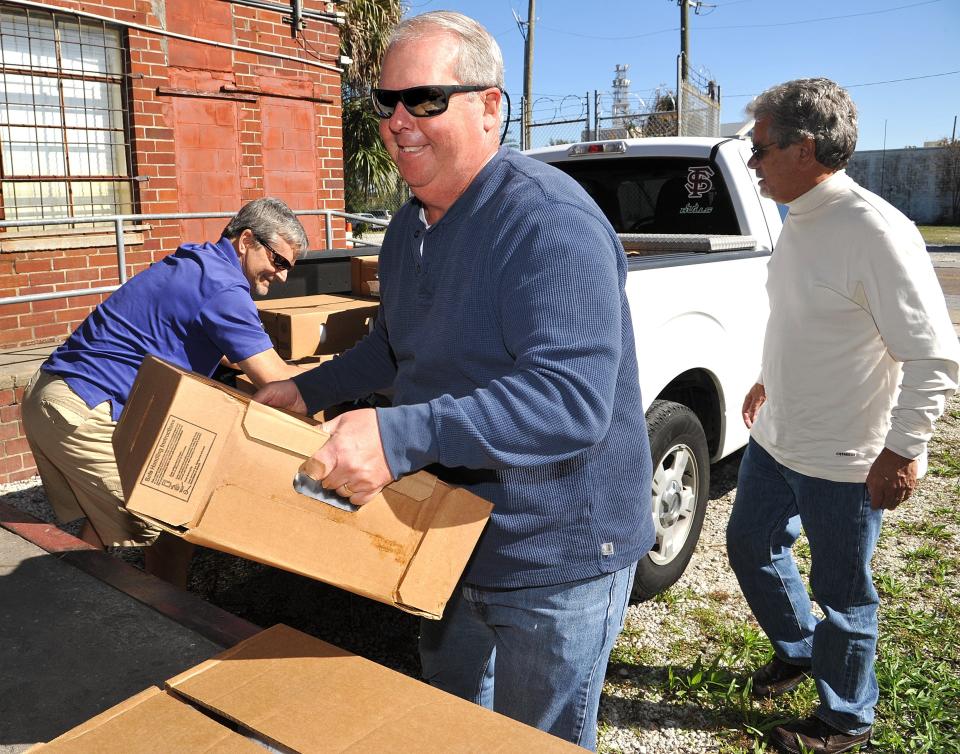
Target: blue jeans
x=842, y=529
x=538, y=655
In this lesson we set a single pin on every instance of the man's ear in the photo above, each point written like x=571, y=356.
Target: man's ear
x=491, y=109
x=807, y=152
x=242, y=242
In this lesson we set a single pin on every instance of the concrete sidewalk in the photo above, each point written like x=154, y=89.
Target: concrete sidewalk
x=81, y=631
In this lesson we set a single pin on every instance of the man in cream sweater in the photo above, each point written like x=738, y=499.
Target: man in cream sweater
x=859, y=360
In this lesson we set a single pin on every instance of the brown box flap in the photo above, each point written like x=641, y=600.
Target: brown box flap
x=418, y=486
x=281, y=430
x=152, y=722
x=310, y=696
x=444, y=549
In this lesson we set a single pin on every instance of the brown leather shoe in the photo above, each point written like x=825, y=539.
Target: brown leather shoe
x=814, y=735
x=777, y=677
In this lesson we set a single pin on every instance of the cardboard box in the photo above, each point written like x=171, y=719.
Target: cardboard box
x=292, y=302
x=363, y=275
x=296, y=693
x=208, y=464
x=324, y=324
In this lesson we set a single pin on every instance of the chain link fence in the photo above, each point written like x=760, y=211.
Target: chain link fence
x=699, y=104
x=595, y=117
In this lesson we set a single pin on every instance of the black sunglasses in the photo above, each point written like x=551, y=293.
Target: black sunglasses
x=758, y=150
x=280, y=262
x=420, y=101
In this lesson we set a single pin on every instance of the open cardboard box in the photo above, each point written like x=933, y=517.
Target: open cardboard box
x=284, y=689
x=321, y=324
x=209, y=465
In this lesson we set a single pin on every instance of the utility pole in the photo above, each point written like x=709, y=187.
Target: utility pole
x=526, y=30
x=684, y=39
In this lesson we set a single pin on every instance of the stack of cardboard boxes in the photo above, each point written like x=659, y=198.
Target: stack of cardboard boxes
x=325, y=324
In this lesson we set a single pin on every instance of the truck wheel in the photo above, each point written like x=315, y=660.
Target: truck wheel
x=681, y=478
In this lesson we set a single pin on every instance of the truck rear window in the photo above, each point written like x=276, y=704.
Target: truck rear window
x=657, y=195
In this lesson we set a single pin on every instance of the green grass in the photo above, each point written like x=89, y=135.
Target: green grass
x=940, y=234
x=926, y=529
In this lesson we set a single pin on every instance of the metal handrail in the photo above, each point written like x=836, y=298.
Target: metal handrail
x=119, y=220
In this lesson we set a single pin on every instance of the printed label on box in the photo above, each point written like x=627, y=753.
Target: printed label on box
x=178, y=458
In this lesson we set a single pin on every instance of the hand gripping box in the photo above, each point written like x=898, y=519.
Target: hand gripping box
x=208, y=464
x=245, y=384
x=322, y=324
x=288, y=691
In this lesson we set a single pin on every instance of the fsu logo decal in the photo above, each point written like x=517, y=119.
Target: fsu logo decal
x=699, y=181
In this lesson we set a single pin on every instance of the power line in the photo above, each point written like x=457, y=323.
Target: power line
x=816, y=20
x=872, y=83
x=591, y=36
x=741, y=26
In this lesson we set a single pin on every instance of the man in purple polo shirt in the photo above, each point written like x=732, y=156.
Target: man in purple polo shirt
x=192, y=308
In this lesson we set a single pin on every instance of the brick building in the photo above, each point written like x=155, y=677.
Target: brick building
x=150, y=107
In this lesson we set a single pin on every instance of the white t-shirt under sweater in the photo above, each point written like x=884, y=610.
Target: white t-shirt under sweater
x=859, y=351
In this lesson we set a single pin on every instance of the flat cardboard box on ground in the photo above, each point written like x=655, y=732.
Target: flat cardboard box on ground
x=322, y=324
x=296, y=693
x=210, y=465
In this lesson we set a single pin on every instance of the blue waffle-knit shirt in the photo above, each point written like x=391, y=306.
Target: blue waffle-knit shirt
x=510, y=350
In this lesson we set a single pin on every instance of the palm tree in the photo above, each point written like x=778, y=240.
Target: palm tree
x=368, y=169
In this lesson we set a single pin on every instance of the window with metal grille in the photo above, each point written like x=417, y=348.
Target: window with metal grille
x=64, y=149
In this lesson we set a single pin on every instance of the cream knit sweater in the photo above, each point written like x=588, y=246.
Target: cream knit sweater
x=859, y=350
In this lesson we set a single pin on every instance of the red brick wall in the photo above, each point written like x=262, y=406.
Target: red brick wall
x=16, y=462
x=211, y=128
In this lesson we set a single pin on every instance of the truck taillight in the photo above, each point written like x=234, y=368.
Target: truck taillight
x=597, y=147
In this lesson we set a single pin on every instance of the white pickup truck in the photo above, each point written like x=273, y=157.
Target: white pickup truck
x=698, y=236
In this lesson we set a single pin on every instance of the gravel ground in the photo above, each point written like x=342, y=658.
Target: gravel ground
x=660, y=634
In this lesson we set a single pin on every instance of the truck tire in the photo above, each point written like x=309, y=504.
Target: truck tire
x=681, y=479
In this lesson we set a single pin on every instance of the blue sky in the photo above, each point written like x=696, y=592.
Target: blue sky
x=746, y=46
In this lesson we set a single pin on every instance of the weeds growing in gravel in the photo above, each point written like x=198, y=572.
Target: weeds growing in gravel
x=918, y=661
x=945, y=464
x=917, y=671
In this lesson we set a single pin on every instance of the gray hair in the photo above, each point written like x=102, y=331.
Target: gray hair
x=268, y=218
x=480, y=61
x=816, y=108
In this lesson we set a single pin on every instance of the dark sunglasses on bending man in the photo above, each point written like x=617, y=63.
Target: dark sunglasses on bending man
x=280, y=262
x=420, y=101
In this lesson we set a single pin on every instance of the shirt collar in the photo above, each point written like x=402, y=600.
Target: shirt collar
x=820, y=194
x=464, y=202
x=223, y=248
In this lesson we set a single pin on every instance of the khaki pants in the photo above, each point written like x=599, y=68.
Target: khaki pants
x=72, y=446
